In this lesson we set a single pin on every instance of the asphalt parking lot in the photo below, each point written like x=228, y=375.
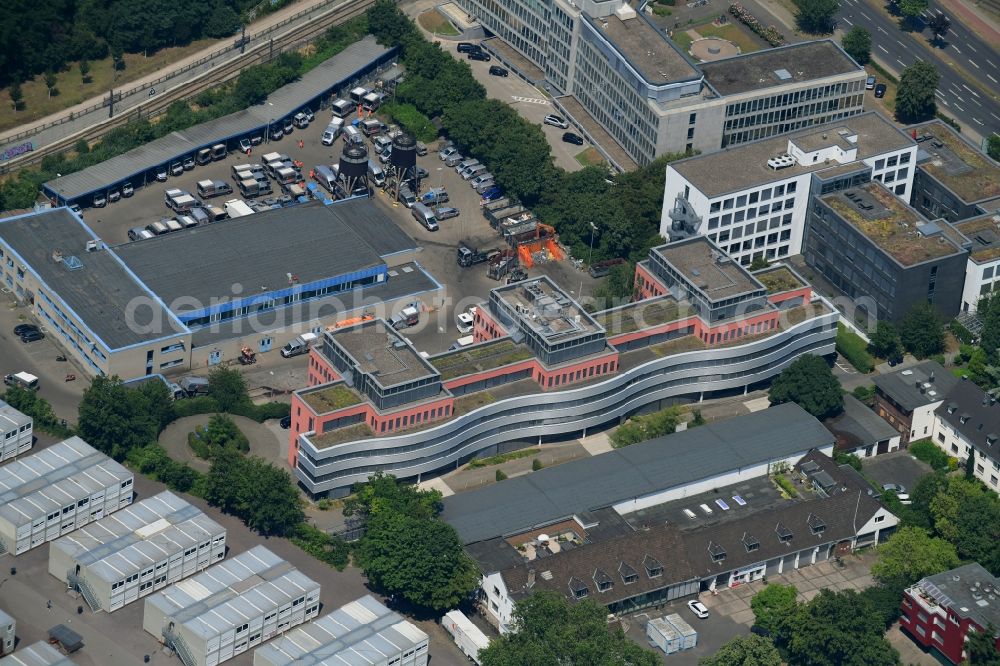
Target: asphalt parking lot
x=117, y=639
x=713, y=632
x=896, y=467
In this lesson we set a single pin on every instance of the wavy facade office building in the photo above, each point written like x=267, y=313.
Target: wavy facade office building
x=543, y=369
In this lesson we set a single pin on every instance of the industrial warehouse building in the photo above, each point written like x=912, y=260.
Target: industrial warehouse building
x=38, y=654
x=137, y=551
x=361, y=633
x=8, y=629
x=59, y=489
x=231, y=607
x=16, y=432
x=190, y=300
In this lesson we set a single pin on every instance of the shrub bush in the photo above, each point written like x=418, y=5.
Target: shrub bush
x=411, y=120
x=786, y=485
x=930, y=453
x=961, y=332
x=852, y=347
x=324, y=547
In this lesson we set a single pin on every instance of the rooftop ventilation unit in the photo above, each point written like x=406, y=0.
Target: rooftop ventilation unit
x=73, y=263
x=783, y=74
x=781, y=162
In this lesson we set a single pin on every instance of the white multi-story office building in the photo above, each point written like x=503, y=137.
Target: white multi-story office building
x=752, y=199
x=57, y=490
x=137, y=551
x=362, y=633
x=231, y=607
x=16, y=432
x=620, y=79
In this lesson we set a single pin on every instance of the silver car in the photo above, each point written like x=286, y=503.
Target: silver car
x=445, y=212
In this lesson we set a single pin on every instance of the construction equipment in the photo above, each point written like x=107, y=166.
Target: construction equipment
x=351, y=321
x=501, y=263
x=533, y=239
x=247, y=356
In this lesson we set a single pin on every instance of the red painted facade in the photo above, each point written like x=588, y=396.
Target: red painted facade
x=647, y=285
x=935, y=626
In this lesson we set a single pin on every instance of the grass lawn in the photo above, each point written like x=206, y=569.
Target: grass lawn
x=589, y=157
x=887, y=103
x=433, y=21
x=732, y=32
x=682, y=39
x=72, y=91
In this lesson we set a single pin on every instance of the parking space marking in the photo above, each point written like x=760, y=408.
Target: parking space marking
x=529, y=100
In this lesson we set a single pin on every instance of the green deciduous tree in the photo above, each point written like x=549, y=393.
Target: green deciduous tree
x=228, y=388
x=16, y=94
x=922, y=331
x=419, y=559
x=550, y=630
x=816, y=16
x=915, y=95
x=261, y=495
x=383, y=493
x=939, y=25
x=839, y=629
x=85, y=71
x=967, y=514
x=749, y=650
x=809, y=383
x=885, y=341
x=911, y=9
x=909, y=555
x=50, y=83
x=858, y=44
x=993, y=147
x=982, y=649
x=773, y=608
x=114, y=419
x=641, y=428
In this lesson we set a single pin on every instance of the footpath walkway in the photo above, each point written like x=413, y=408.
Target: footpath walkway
x=50, y=134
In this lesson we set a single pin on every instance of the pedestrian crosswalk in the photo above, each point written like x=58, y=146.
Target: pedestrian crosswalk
x=529, y=100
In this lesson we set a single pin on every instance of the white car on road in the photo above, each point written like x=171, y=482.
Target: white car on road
x=555, y=121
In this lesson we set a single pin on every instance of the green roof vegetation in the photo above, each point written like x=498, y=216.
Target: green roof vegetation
x=778, y=279
x=472, y=401
x=331, y=398
x=641, y=315
x=971, y=229
x=487, y=356
x=678, y=345
x=980, y=181
x=341, y=435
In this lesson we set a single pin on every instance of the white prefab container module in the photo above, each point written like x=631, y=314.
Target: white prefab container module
x=467, y=636
x=689, y=637
x=137, y=551
x=57, y=490
x=8, y=627
x=663, y=635
x=15, y=432
x=361, y=633
x=231, y=607
x=37, y=654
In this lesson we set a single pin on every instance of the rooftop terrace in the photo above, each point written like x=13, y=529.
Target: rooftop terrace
x=963, y=169
x=708, y=268
x=890, y=224
x=330, y=398
x=481, y=357
x=644, y=314
x=792, y=64
x=646, y=49
x=984, y=233
x=381, y=352
x=546, y=309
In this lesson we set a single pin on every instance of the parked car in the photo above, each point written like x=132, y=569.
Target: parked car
x=492, y=194
x=465, y=321
x=870, y=83
x=445, y=153
x=880, y=90
x=21, y=329
x=308, y=114
x=481, y=56
x=421, y=149
x=127, y=190
x=276, y=133
x=497, y=70
x=698, y=608
x=100, y=201
x=468, y=47
x=445, y=213
x=32, y=336
x=188, y=162
x=176, y=169
x=556, y=121
x=570, y=137
x=161, y=174
x=285, y=422
x=899, y=490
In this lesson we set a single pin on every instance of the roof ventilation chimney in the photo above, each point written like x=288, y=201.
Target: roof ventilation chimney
x=931, y=378
x=531, y=579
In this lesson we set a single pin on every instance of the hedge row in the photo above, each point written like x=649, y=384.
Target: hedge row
x=852, y=347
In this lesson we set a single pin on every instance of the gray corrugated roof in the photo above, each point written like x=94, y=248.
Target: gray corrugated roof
x=256, y=252
x=11, y=419
x=99, y=292
x=902, y=385
x=635, y=471
x=37, y=654
x=360, y=633
x=859, y=426
x=284, y=102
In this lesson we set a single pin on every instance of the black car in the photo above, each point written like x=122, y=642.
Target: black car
x=468, y=47
x=21, y=329
x=880, y=90
x=496, y=70
x=570, y=137
x=32, y=336
x=286, y=422
x=479, y=55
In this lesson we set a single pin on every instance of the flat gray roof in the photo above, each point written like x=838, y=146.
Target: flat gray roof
x=859, y=426
x=361, y=633
x=645, y=48
x=46, y=481
x=796, y=63
x=138, y=536
x=961, y=590
x=11, y=419
x=918, y=385
x=708, y=268
x=283, y=102
x=635, y=471
x=379, y=350
x=99, y=291
x=257, y=252
x=545, y=308
x=37, y=654
x=745, y=166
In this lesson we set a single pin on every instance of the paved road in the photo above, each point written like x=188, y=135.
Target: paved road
x=972, y=101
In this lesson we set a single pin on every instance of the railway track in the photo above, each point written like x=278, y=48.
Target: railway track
x=154, y=106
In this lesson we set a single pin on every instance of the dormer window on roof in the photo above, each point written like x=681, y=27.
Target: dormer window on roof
x=816, y=524
x=602, y=580
x=784, y=534
x=653, y=566
x=577, y=588
x=717, y=552
x=627, y=573
x=750, y=542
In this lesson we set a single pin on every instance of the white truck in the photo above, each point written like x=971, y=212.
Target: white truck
x=469, y=638
x=300, y=345
x=238, y=208
x=407, y=317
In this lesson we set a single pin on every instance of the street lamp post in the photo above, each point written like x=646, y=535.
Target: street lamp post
x=590, y=256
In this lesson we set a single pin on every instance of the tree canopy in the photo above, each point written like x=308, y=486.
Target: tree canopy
x=816, y=16
x=773, y=608
x=982, y=649
x=549, y=630
x=922, y=331
x=915, y=95
x=909, y=555
x=747, y=650
x=858, y=44
x=885, y=342
x=839, y=629
x=114, y=419
x=809, y=383
x=261, y=495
